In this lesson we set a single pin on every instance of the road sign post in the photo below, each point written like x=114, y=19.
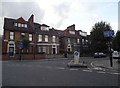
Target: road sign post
x=20, y=46
x=109, y=34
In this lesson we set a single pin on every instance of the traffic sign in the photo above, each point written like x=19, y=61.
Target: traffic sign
x=20, y=45
x=109, y=33
x=76, y=53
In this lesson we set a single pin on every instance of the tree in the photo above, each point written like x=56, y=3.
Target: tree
x=116, y=41
x=98, y=42
x=25, y=42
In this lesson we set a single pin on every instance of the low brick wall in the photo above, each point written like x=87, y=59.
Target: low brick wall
x=23, y=56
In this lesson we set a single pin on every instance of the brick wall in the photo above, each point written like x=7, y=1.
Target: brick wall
x=23, y=57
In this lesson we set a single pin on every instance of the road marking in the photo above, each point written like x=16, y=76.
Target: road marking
x=115, y=73
x=101, y=72
x=73, y=69
x=60, y=68
x=88, y=70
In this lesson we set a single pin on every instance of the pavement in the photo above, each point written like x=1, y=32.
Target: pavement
x=106, y=64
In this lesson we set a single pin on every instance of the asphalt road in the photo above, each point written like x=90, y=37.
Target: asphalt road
x=53, y=73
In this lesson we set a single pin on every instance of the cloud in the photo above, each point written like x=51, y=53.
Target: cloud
x=24, y=9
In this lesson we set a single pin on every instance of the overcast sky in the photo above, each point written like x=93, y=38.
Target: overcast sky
x=62, y=13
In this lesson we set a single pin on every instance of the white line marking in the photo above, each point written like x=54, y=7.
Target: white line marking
x=73, y=69
x=88, y=70
x=60, y=68
x=115, y=73
x=101, y=72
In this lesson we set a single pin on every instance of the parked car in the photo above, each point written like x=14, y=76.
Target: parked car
x=116, y=54
x=99, y=55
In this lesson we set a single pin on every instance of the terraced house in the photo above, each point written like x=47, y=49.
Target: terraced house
x=42, y=40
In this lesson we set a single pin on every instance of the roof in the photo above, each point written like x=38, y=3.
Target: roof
x=9, y=25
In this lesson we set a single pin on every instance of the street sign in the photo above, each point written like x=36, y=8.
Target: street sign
x=20, y=45
x=109, y=33
x=76, y=53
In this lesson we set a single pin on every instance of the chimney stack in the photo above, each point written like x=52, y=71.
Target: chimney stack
x=31, y=19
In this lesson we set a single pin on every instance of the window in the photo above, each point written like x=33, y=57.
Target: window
x=23, y=34
x=72, y=32
x=53, y=38
x=46, y=38
x=44, y=28
x=15, y=24
x=83, y=33
x=82, y=41
x=22, y=25
x=25, y=25
x=39, y=38
x=12, y=35
x=78, y=40
x=44, y=49
x=68, y=40
x=30, y=37
x=19, y=24
x=39, y=49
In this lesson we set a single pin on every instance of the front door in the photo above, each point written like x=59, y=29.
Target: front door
x=11, y=51
x=54, y=50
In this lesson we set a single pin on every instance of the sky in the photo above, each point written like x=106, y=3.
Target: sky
x=60, y=14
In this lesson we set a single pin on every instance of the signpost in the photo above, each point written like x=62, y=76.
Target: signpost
x=20, y=46
x=109, y=34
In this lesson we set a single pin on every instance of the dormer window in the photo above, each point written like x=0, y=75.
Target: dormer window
x=83, y=33
x=44, y=28
x=72, y=32
x=20, y=25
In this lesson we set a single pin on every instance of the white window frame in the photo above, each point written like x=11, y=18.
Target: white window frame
x=22, y=25
x=44, y=49
x=30, y=37
x=19, y=24
x=68, y=40
x=78, y=40
x=46, y=38
x=53, y=38
x=11, y=35
x=72, y=32
x=25, y=25
x=39, y=49
x=39, y=38
x=15, y=24
x=43, y=28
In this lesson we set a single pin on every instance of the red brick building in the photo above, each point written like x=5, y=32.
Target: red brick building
x=42, y=38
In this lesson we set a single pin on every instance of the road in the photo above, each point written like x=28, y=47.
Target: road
x=54, y=73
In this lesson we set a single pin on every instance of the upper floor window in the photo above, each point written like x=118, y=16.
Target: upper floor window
x=68, y=40
x=12, y=35
x=30, y=37
x=72, y=32
x=15, y=24
x=44, y=28
x=22, y=35
x=46, y=38
x=39, y=38
x=25, y=25
x=78, y=40
x=20, y=25
x=83, y=42
x=83, y=33
x=53, y=38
